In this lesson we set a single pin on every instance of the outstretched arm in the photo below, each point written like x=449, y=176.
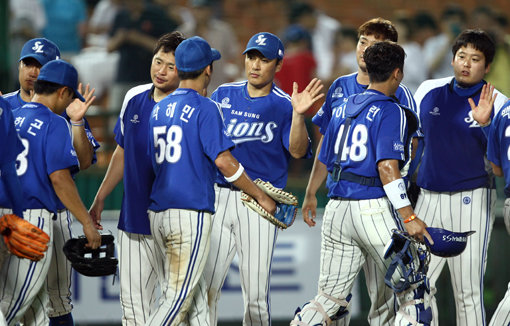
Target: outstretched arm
x=301, y=102
x=396, y=191
x=317, y=177
x=64, y=187
x=113, y=176
x=76, y=111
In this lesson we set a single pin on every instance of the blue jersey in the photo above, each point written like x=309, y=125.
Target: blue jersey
x=14, y=99
x=11, y=142
x=260, y=128
x=498, y=148
x=186, y=135
x=455, y=145
x=132, y=134
x=345, y=86
x=378, y=131
x=48, y=147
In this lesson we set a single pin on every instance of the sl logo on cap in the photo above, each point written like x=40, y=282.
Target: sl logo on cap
x=38, y=47
x=261, y=40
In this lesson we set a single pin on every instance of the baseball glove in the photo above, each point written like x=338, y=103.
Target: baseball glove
x=92, y=262
x=22, y=238
x=286, y=205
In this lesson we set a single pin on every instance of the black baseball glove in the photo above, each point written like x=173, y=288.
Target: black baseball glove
x=92, y=262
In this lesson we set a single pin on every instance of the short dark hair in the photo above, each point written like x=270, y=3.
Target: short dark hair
x=479, y=39
x=382, y=29
x=191, y=74
x=382, y=58
x=169, y=42
x=45, y=87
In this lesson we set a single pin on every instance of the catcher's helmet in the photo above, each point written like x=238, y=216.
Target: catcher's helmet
x=92, y=262
x=409, y=260
x=447, y=243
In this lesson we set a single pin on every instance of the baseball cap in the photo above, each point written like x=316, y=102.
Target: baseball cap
x=266, y=43
x=41, y=49
x=194, y=54
x=62, y=73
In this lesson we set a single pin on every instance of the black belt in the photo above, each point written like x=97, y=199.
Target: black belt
x=228, y=186
x=359, y=179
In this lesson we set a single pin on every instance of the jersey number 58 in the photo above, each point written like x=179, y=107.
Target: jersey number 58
x=167, y=143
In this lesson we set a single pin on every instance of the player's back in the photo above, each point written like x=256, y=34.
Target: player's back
x=186, y=135
x=378, y=131
x=499, y=143
x=348, y=85
x=47, y=142
x=11, y=143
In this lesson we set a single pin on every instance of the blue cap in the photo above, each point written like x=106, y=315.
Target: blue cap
x=194, y=54
x=41, y=49
x=295, y=33
x=62, y=73
x=266, y=43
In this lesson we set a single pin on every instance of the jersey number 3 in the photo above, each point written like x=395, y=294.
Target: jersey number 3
x=167, y=143
x=21, y=159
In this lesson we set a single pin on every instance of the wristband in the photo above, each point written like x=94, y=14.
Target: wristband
x=236, y=175
x=410, y=218
x=397, y=194
x=77, y=123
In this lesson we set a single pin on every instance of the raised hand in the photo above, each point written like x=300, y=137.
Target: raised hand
x=77, y=109
x=301, y=102
x=482, y=112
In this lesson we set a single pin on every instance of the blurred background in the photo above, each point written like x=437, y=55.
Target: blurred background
x=320, y=39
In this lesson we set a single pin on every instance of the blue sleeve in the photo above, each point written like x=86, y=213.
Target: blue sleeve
x=13, y=187
x=494, y=142
x=119, y=135
x=212, y=132
x=60, y=153
x=390, y=135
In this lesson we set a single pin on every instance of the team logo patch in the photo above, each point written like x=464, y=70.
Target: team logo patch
x=466, y=200
x=261, y=40
x=435, y=111
x=225, y=103
x=338, y=92
x=320, y=112
x=135, y=119
x=398, y=146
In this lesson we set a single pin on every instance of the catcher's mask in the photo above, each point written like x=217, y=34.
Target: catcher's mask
x=409, y=259
x=92, y=262
x=447, y=243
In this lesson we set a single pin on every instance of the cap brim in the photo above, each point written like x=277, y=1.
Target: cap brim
x=216, y=55
x=42, y=60
x=265, y=53
x=78, y=95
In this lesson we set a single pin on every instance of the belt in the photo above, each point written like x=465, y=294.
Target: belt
x=228, y=186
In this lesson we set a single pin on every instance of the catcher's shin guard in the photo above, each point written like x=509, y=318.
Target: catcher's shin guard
x=415, y=305
x=315, y=306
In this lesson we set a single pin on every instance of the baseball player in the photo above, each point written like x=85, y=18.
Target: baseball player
x=44, y=168
x=8, y=175
x=267, y=131
x=382, y=310
x=497, y=153
x=365, y=147
x=131, y=164
x=34, y=54
x=187, y=135
x=457, y=189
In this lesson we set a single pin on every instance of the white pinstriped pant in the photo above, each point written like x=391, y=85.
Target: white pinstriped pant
x=355, y=232
x=461, y=211
x=181, y=240
x=138, y=278
x=59, y=273
x=237, y=229
x=23, y=296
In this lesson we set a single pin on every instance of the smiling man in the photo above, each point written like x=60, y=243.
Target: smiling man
x=457, y=189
